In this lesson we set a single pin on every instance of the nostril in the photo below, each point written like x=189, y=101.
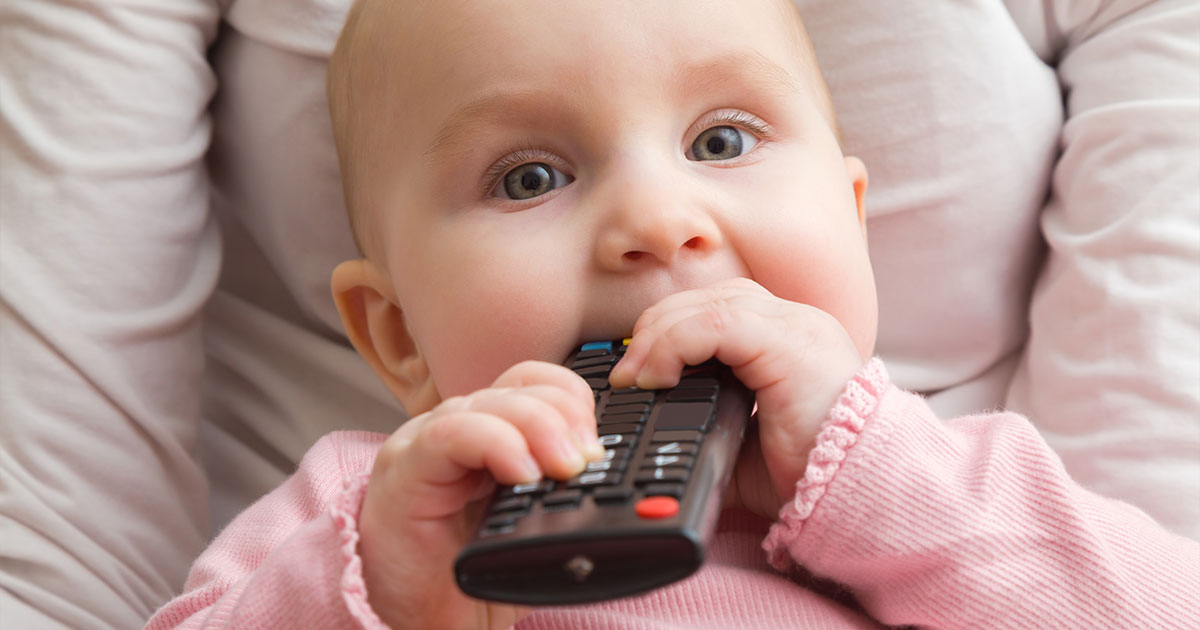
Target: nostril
x=634, y=256
x=693, y=243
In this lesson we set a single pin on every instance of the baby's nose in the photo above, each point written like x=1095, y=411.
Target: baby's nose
x=662, y=234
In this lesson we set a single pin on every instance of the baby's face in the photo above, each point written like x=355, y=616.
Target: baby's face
x=561, y=166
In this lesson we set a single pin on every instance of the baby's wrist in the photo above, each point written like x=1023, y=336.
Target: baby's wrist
x=856, y=404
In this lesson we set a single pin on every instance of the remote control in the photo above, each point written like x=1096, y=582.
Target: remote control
x=636, y=520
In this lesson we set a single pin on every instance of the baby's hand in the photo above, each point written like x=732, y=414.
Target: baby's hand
x=424, y=496
x=795, y=357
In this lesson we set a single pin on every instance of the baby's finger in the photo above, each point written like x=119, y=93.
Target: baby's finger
x=431, y=467
x=547, y=431
x=567, y=392
x=724, y=290
x=456, y=442
x=736, y=332
x=543, y=373
x=578, y=412
x=655, y=321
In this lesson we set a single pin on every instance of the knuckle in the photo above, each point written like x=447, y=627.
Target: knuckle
x=744, y=283
x=446, y=428
x=402, y=438
x=390, y=452
x=714, y=313
x=525, y=366
x=482, y=399
x=450, y=405
x=526, y=372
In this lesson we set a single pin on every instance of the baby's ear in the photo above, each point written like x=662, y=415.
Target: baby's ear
x=375, y=325
x=858, y=178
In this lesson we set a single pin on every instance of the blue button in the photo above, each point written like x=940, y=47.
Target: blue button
x=596, y=345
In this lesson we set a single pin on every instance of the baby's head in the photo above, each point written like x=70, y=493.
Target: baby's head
x=522, y=177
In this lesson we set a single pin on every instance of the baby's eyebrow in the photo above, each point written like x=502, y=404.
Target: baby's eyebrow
x=747, y=69
x=750, y=70
x=489, y=105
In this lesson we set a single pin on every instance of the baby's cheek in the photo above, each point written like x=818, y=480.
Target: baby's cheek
x=836, y=279
x=503, y=324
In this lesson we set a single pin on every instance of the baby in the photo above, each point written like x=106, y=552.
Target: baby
x=522, y=177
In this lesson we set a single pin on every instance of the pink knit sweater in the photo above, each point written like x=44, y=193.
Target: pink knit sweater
x=901, y=519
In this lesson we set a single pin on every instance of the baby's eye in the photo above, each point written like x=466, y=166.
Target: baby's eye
x=721, y=143
x=530, y=180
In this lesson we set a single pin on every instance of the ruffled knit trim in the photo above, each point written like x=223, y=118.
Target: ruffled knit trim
x=344, y=510
x=839, y=432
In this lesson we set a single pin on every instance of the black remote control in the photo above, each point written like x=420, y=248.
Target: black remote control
x=636, y=520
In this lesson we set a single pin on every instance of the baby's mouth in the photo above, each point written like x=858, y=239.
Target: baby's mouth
x=612, y=313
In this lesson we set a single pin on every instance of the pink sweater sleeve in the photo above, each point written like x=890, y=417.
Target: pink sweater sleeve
x=973, y=523
x=290, y=560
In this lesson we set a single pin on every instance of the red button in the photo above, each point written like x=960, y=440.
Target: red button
x=657, y=507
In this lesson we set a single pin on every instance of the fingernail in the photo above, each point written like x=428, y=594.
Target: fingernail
x=589, y=444
x=570, y=454
x=530, y=469
x=618, y=371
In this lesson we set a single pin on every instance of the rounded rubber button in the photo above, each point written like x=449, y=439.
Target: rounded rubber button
x=657, y=507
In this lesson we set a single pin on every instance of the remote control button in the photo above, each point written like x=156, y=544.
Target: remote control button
x=510, y=504
x=588, y=354
x=496, y=531
x=597, y=383
x=607, y=429
x=606, y=346
x=664, y=490
x=698, y=381
x=501, y=520
x=612, y=493
x=598, y=478
x=616, y=454
x=622, y=418
x=625, y=396
x=676, y=436
x=618, y=439
x=532, y=488
x=674, y=448
x=657, y=507
x=668, y=461
x=607, y=359
x=563, y=497
x=684, y=415
x=613, y=409
x=654, y=475
x=689, y=394
x=616, y=465
x=598, y=370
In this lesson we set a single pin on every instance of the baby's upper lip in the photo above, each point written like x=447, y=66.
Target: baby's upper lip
x=614, y=312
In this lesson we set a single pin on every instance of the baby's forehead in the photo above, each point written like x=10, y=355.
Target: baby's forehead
x=417, y=53
x=449, y=37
